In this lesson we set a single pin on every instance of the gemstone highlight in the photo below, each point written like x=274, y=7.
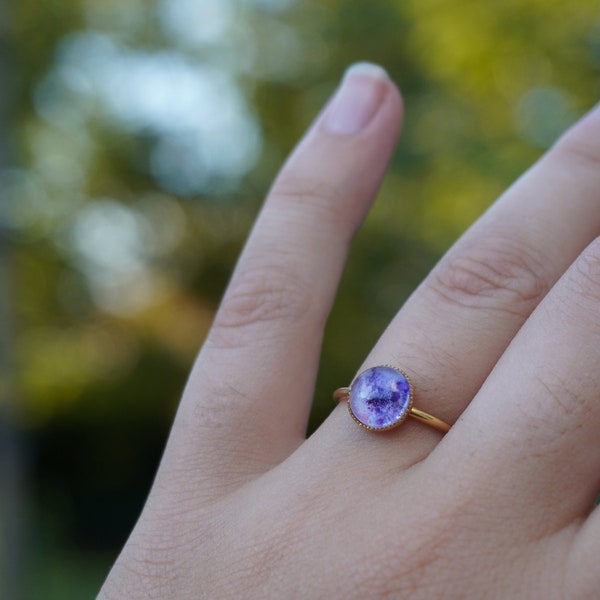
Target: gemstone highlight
x=380, y=398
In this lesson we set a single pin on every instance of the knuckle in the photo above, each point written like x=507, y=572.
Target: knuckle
x=293, y=189
x=583, y=282
x=319, y=195
x=577, y=147
x=555, y=413
x=563, y=404
x=554, y=409
x=576, y=299
x=259, y=296
x=498, y=274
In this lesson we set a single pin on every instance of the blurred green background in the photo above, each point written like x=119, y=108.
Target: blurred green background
x=139, y=138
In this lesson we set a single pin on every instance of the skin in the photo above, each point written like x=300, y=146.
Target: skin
x=501, y=340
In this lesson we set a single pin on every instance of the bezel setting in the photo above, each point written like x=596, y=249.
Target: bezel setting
x=382, y=394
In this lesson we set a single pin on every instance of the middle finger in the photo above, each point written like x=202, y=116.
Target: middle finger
x=453, y=329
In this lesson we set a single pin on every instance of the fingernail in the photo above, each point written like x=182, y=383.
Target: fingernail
x=357, y=100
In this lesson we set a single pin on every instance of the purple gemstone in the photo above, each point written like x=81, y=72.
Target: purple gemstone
x=380, y=398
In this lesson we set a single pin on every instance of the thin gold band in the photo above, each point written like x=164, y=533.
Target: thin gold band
x=421, y=415
x=342, y=394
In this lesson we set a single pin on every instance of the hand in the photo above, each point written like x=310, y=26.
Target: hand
x=502, y=340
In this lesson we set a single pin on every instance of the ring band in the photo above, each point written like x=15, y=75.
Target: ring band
x=381, y=398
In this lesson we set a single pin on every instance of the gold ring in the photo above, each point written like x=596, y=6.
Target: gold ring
x=381, y=398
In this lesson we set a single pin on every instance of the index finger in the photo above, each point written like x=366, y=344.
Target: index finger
x=248, y=398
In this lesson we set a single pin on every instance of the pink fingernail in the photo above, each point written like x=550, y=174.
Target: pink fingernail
x=357, y=100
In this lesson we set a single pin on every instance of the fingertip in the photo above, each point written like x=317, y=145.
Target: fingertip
x=367, y=69
x=366, y=91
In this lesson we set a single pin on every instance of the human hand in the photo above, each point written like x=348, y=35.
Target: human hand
x=501, y=340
